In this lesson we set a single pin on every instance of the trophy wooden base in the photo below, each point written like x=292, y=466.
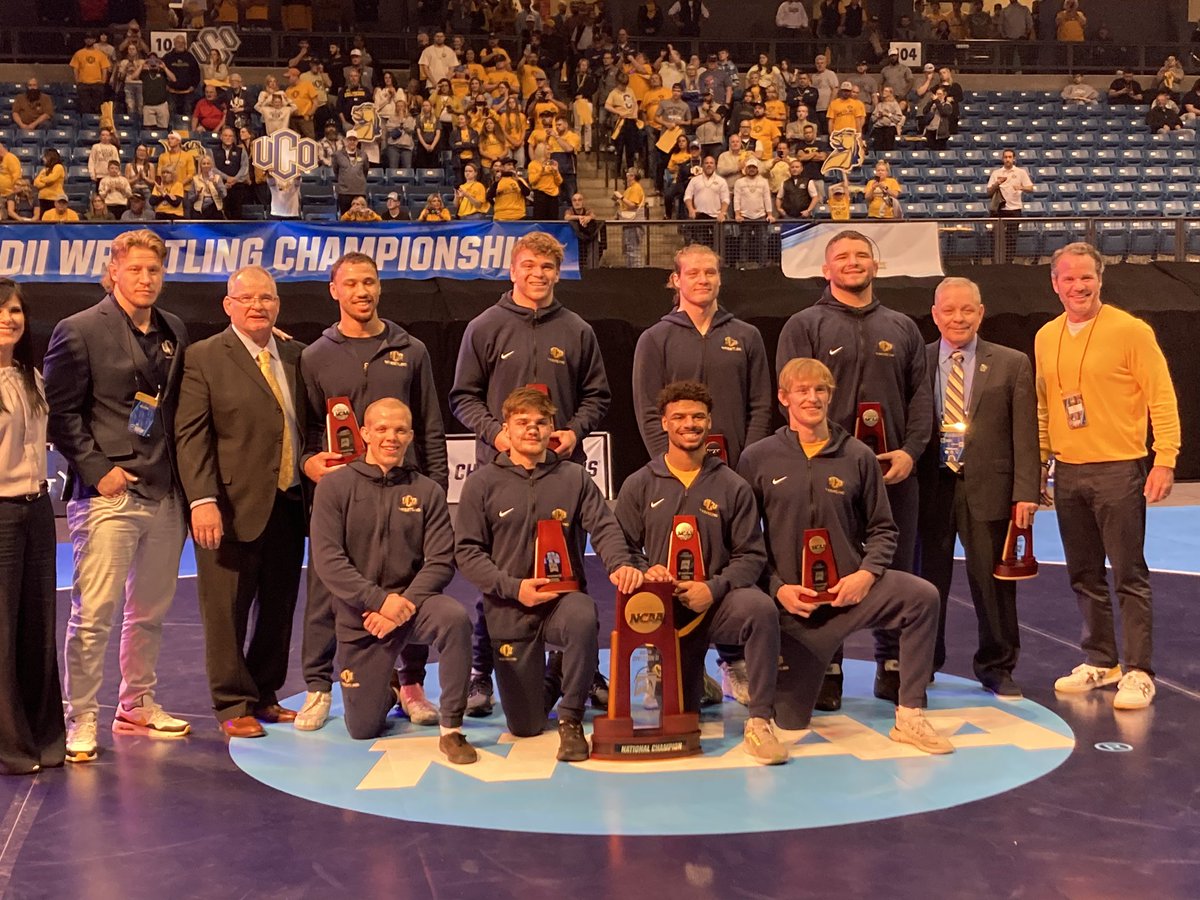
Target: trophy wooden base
x=1017, y=571
x=560, y=587
x=618, y=738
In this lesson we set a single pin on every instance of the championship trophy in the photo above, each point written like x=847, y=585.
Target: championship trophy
x=685, y=561
x=545, y=389
x=550, y=558
x=818, y=570
x=646, y=617
x=342, y=434
x=1017, y=562
x=715, y=445
x=868, y=428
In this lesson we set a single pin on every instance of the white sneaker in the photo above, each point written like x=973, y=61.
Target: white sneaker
x=760, y=742
x=1135, y=690
x=148, y=720
x=81, y=738
x=416, y=705
x=913, y=728
x=734, y=682
x=315, y=712
x=1085, y=678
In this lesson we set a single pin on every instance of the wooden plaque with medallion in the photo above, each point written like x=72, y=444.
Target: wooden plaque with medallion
x=550, y=557
x=869, y=428
x=1017, y=562
x=685, y=559
x=645, y=618
x=717, y=446
x=818, y=569
x=342, y=433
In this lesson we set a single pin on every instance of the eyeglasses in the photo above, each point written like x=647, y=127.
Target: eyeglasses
x=256, y=300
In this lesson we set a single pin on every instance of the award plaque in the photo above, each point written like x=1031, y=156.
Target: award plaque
x=645, y=618
x=550, y=558
x=716, y=446
x=342, y=434
x=685, y=560
x=818, y=569
x=1017, y=562
x=545, y=389
x=868, y=428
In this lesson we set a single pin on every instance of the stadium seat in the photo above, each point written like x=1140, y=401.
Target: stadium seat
x=1096, y=190
x=401, y=176
x=1089, y=207
x=963, y=239
x=1080, y=156
x=947, y=211
x=1137, y=139
x=1106, y=156
x=1144, y=238
x=1191, y=236
x=975, y=210
x=1100, y=173
x=1174, y=208
x=253, y=211
x=78, y=175
x=1148, y=190
x=957, y=193
x=918, y=210
x=1073, y=173
x=927, y=192
x=1036, y=208
x=1148, y=208
x=1178, y=190
x=320, y=217
x=432, y=177
x=1118, y=208
x=1131, y=156
x=1053, y=156
x=1060, y=208
x=1066, y=190
x=1180, y=173
x=1113, y=239
x=1154, y=173
x=1183, y=155
x=1158, y=156
x=937, y=173
x=920, y=156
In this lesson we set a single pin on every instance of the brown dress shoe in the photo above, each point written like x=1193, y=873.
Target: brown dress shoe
x=243, y=727
x=274, y=713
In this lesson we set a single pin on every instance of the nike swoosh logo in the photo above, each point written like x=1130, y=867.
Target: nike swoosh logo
x=777, y=480
x=508, y=354
x=835, y=351
x=654, y=503
x=505, y=512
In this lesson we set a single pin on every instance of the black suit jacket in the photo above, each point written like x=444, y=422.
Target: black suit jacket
x=229, y=430
x=93, y=368
x=1000, y=455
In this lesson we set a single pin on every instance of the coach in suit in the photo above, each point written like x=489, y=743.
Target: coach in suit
x=238, y=430
x=112, y=378
x=982, y=459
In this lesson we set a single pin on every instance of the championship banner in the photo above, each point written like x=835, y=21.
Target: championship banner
x=290, y=251
x=902, y=248
x=460, y=452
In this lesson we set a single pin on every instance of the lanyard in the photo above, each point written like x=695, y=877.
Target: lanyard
x=1082, y=357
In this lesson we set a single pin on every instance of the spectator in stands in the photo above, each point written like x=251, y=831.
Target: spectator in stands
x=471, y=195
x=622, y=104
x=20, y=205
x=1124, y=90
x=358, y=66
x=168, y=195
x=276, y=112
x=359, y=211
x=899, y=78
x=729, y=163
x=10, y=172
x=1070, y=22
x=180, y=160
x=798, y=196
x=91, y=67
x=139, y=210
x=33, y=109
x=302, y=97
x=1079, y=93
x=1190, y=105
x=777, y=169
x=60, y=212
x=141, y=171
x=232, y=165
x=683, y=164
x=437, y=61
x=429, y=138
x=882, y=193
x=215, y=71
x=115, y=190
x=156, y=79
x=545, y=182
x=1010, y=183
x=631, y=206
x=322, y=85
x=126, y=79
x=1163, y=115
x=133, y=38
x=101, y=154
x=649, y=19
x=707, y=195
x=827, y=83
x=464, y=142
x=887, y=121
x=752, y=203
x=937, y=120
x=1170, y=76
x=1016, y=24
x=588, y=228
x=508, y=192
x=186, y=83
x=829, y=19
x=979, y=23
x=353, y=93
x=50, y=180
x=434, y=210
x=98, y=210
x=867, y=85
x=350, y=168
x=846, y=112
x=206, y=192
x=330, y=144
x=395, y=211
x=791, y=18
x=400, y=136
x=259, y=180
x=210, y=112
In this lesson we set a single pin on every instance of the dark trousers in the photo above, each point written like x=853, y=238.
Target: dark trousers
x=944, y=514
x=237, y=196
x=237, y=578
x=883, y=138
x=627, y=146
x=744, y=618
x=320, y=642
x=568, y=622
x=898, y=601
x=1102, y=512
x=545, y=207
x=366, y=691
x=90, y=96
x=32, y=732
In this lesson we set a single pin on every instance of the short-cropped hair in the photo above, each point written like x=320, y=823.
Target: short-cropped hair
x=684, y=390
x=527, y=399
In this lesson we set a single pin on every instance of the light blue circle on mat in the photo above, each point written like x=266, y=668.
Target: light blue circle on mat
x=844, y=770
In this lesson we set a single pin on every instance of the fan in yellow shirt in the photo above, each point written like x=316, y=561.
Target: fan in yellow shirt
x=472, y=195
x=60, y=213
x=435, y=210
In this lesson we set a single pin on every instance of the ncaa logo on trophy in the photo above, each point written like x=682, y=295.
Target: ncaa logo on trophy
x=285, y=154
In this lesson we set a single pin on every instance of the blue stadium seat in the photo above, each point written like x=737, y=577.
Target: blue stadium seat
x=1048, y=174
x=78, y=175
x=963, y=239
x=1041, y=124
x=1191, y=237
x=1053, y=156
x=945, y=157
x=1113, y=239
x=937, y=173
x=920, y=156
x=1008, y=140
x=929, y=193
x=1180, y=173
x=1080, y=156
x=1073, y=173
x=402, y=176
x=946, y=211
x=1112, y=139
x=975, y=209
x=1183, y=155
x=1123, y=190
x=1100, y=173
x=978, y=190
x=1174, y=208
x=1059, y=208
x=1028, y=244
x=1106, y=156
x=320, y=217
x=1032, y=142
x=1178, y=190
x=1089, y=207
x=908, y=174
x=26, y=153
x=918, y=210
x=974, y=157
x=1115, y=126
x=1144, y=238
x=965, y=174
x=374, y=177
x=1036, y=208
x=1131, y=156
x=1148, y=190
x=955, y=192
x=1137, y=139
x=1068, y=190
x=1118, y=208
x=1159, y=156
x=1154, y=173
x=431, y=176
x=1147, y=208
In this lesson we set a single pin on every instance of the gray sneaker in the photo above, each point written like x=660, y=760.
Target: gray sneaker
x=734, y=681
x=81, y=738
x=480, y=698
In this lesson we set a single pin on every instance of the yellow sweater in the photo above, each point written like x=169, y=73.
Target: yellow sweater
x=1124, y=381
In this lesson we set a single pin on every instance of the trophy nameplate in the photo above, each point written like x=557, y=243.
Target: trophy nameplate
x=818, y=569
x=716, y=445
x=342, y=434
x=550, y=558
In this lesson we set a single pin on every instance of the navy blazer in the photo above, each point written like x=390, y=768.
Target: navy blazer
x=92, y=370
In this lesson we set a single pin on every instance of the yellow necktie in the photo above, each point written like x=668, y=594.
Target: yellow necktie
x=287, y=460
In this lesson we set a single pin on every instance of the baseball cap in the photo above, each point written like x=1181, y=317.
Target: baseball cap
x=845, y=86
x=694, y=144
x=356, y=52
x=750, y=161
x=861, y=62
x=351, y=136
x=393, y=196
x=928, y=67
x=60, y=199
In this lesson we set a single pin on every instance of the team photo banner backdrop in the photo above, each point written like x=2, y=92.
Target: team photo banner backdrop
x=902, y=248
x=291, y=251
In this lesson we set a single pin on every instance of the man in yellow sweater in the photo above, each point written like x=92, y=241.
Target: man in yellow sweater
x=1100, y=376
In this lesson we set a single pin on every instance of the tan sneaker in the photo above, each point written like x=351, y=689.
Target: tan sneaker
x=315, y=712
x=760, y=742
x=455, y=748
x=1086, y=678
x=1134, y=691
x=416, y=705
x=148, y=720
x=913, y=728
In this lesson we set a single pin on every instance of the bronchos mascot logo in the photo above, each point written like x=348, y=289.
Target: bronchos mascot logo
x=286, y=155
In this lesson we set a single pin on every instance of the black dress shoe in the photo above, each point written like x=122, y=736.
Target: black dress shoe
x=829, y=698
x=1003, y=687
x=887, y=681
